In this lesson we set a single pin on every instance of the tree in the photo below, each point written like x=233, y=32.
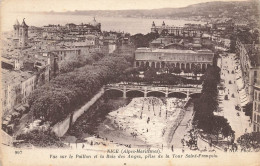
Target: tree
x=56, y=100
x=41, y=139
x=196, y=70
x=250, y=141
x=177, y=70
x=150, y=74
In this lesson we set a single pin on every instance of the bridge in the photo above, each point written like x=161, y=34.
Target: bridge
x=148, y=90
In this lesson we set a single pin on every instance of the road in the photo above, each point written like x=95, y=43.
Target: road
x=182, y=128
x=238, y=123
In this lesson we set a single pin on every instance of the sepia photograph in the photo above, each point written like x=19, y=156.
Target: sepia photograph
x=130, y=82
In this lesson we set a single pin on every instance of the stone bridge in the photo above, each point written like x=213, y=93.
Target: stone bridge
x=146, y=89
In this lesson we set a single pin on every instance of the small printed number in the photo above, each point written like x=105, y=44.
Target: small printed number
x=18, y=152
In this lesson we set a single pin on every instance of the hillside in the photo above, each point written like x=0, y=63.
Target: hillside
x=237, y=10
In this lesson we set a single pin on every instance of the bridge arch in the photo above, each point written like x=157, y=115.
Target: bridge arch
x=114, y=92
x=155, y=94
x=134, y=93
x=180, y=95
x=195, y=95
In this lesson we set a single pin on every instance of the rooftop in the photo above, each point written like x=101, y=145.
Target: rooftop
x=144, y=49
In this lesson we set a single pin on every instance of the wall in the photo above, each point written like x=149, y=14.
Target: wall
x=62, y=127
x=6, y=139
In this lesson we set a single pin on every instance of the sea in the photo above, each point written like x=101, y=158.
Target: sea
x=122, y=24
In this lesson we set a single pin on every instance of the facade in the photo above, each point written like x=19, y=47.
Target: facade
x=18, y=85
x=21, y=34
x=256, y=108
x=250, y=66
x=183, y=59
x=189, y=30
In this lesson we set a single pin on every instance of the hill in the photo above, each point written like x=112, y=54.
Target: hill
x=231, y=9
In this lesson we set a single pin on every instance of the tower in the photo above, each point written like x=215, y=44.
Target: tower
x=153, y=29
x=16, y=30
x=23, y=34
x=153, y=25
x=163, y=24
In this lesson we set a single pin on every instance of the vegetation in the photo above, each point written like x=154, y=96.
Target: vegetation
x=41, y=139
x=56, y=100
x=141, y=40
x=250, y=141
x=77, y=61
x=151, y=76
x=207, y=104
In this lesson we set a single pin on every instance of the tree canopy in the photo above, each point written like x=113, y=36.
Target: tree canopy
x=69, y=90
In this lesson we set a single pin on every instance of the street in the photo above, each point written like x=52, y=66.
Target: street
x=240, y=124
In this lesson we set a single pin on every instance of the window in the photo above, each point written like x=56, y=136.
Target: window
x=254, y=117
x=258, y=107
x=255, y=95
x=258, y=97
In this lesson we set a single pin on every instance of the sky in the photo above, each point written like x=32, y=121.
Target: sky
x=72, y=5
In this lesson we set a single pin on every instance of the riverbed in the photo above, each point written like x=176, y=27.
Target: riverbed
x=137, y=122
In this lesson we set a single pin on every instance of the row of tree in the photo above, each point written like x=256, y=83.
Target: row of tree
x=68, y=91
x=76, y=61
x=204, y=107
x=151, y=77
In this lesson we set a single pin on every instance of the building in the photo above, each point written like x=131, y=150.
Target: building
x=188, y=30
x=20, y=35
x=70, y=31
x=256, y=107
x=17, y=85
x=250, y=65
x=183, y=59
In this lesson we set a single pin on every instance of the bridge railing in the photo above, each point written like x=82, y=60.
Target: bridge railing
x=158, y=87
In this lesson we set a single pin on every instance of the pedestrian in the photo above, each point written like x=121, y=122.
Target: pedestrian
x=172, y=149
x=83, y=146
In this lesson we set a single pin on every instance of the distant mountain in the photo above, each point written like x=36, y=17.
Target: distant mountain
x=233, y=9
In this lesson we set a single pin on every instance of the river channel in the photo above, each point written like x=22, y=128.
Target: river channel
x=136, y=122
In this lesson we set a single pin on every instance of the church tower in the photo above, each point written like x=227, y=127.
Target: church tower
x=23, y=34
x=16, y=30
